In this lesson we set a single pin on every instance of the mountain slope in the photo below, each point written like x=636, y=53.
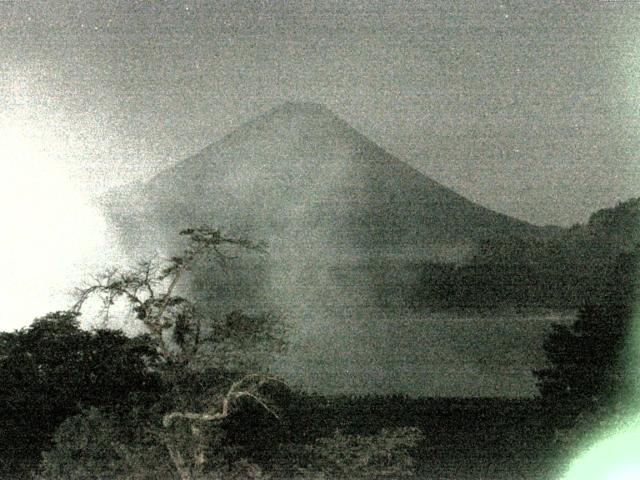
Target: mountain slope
x=299, y=173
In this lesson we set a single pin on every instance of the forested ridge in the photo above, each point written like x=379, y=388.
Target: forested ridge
x=588, y=263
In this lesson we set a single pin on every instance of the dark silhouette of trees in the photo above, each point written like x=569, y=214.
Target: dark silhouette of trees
x=152, y=291
x=587, y=359
x=188, y=399
x=587, y=371
x=53, y=369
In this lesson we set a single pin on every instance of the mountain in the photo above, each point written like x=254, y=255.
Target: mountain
x=301, y=171
x=346, y=221
x=351, y=231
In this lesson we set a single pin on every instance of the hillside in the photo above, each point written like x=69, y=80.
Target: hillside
x=595, y=262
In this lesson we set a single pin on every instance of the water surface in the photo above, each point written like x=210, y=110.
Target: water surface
x=446, y=353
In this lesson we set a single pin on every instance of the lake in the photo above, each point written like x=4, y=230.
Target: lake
x=461, y=353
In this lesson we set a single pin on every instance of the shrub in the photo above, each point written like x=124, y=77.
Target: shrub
x=387, y=454
x=97, y=444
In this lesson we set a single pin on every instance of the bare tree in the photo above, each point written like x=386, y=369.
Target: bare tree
x=150, y=291
x=175, y=324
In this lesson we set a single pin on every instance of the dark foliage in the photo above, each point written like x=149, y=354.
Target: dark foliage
x=462, y=437
x=587, y=359
x=587, y=369
x=588, y=377
x=98, y=443
x=53, y=369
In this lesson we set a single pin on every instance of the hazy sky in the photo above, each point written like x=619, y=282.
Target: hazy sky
x=531, y=109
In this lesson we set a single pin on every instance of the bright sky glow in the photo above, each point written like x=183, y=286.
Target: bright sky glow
x=50, y=234
x=615, y=457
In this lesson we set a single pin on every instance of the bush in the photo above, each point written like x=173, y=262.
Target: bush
x=387, y=454
x=98, y=444
x=52, y=370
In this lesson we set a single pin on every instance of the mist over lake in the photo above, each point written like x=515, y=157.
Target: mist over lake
x=450, y=353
